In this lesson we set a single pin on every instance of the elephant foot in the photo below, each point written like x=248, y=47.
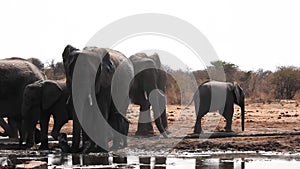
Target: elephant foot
x=63, y=142
x=37, y=136
x=228, y=130
x=4, y=134
x=55, y=135
x=44, y=145
x=29, y=145
x=165, y=134
x=119, y=145
x=168, y=132
x=90, y=147
x=116, y=147
x=198, y=131
x=145, y=129
x=13, y=139
x=145, y=133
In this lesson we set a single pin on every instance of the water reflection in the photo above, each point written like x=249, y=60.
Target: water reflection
x=150, y=162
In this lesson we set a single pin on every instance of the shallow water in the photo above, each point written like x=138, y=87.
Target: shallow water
x=221, y=160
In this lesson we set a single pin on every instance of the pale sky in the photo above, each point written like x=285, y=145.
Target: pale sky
x=251, y=34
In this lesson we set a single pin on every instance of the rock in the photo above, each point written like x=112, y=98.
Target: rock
x=33, y=165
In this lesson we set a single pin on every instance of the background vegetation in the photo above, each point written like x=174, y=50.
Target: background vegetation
x=259, y=86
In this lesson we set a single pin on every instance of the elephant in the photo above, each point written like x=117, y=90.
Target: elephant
x=42, y=99
x=15, y=74
x=7, y=129
x=218, y=96
x=104, y=85
x=148, y=88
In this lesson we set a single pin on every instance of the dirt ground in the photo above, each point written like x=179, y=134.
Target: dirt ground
x=275, y=117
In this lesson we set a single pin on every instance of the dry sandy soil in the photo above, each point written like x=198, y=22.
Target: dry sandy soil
x=276, y=117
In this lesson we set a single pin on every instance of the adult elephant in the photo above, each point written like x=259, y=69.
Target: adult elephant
x=41, y=100
x=218, y=96
x=98, y=75
x=148, y=88
x=15, y=75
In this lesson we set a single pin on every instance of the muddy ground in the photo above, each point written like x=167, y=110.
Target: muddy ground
x=280, y=117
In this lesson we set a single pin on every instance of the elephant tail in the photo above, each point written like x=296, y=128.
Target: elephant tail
x=188, y=105
x=195, y=95
x=243, y=116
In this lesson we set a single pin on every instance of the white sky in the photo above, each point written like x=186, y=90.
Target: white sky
x=252, y=34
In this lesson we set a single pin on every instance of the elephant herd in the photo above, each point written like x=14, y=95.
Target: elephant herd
x=97, y=80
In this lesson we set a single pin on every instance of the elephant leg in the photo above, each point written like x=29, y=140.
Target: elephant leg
x=59, y=121
x=158, y=102
x=164, y=120
x=76, y=134
x=30, y=135
x=197, y=127
x=145, y=123
x=44, y=123
x=13, y=128
x=121, y=125
x=115, y=123
x=10, y=129
x=200, y=113
x=228, y=113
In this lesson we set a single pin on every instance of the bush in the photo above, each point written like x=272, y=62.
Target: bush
x=286, y=81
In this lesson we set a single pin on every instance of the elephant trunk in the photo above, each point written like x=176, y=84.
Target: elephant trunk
x=242, y=115
x=158, y=102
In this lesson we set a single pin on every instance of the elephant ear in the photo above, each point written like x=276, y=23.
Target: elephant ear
x=156, y=60
x=105, y=73
x=237, y=92
x=69, y=55
x=108, y=64
x=51, y=93
x=32, y=93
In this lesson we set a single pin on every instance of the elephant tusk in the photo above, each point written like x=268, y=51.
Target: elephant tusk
x=145, y=94
x=90, y=99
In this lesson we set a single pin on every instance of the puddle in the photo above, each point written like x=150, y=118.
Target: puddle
x=221, y=160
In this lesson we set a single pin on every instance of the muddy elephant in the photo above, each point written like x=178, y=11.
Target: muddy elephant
x=42, y=99
x=15, y=75
x=218, y=96
x=97, y=80
x=148, y=88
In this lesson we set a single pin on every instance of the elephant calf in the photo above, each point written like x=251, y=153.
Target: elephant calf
x=218, y=96
x=41, y=100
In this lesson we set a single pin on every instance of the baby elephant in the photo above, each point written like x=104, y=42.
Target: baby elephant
x=41, y=100
x=218, y=96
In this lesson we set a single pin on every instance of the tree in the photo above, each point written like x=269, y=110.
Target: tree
x=218, y=67
x=54, y=70
x=286, y=81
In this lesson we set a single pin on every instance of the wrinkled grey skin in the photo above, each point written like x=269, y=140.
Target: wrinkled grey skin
x=149, y=77
x=15, y=74
x=110, y=60
x=41, y=100
x=204, y=103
